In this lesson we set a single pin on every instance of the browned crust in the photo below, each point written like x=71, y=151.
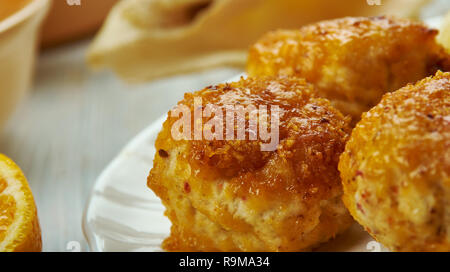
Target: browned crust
x=396, y=167
x=217, y=173
x=352, y=61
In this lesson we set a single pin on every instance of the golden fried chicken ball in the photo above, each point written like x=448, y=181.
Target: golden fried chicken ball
x=230, y=195
x=396, y=168
x=352, y=61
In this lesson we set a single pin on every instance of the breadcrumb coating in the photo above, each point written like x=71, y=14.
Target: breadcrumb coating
x=396, y=168
x=352, y=61
x=228, y=195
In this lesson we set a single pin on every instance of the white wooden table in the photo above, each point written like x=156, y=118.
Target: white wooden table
x=73, y=123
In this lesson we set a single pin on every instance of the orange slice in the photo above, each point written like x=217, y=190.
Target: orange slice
x=19, y=224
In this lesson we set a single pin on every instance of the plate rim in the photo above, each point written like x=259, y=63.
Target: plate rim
x=87, y=230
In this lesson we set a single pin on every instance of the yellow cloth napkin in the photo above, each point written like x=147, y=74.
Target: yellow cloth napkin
x=444, y=33
x=146, y=39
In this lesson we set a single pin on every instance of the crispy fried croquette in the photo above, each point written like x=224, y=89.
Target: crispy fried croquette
x=352, y=61
x=396, y=168
x=229, y=195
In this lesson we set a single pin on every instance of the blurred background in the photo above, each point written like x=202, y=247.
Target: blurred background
x=74, y=88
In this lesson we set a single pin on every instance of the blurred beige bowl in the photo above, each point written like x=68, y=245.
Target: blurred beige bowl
x=18, y=42
x=66, y=23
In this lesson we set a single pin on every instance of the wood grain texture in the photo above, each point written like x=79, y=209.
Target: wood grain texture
x=72, y=125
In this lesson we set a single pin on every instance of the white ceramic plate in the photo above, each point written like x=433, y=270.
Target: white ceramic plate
x=123, y=214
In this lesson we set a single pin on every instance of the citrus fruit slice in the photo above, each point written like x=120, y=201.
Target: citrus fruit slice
x=19, y=224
